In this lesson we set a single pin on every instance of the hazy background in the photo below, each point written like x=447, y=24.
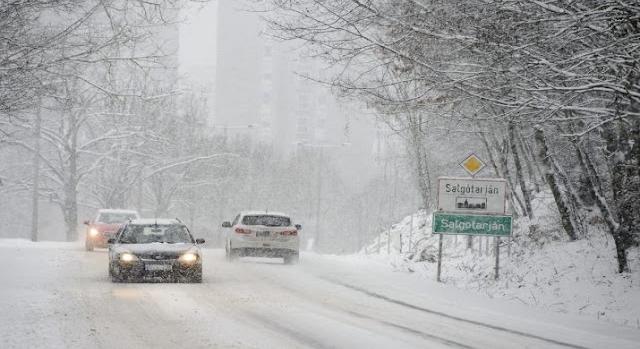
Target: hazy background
x=227, y=120
x=254, y=86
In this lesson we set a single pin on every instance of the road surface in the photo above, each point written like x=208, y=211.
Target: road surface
x=56, y=295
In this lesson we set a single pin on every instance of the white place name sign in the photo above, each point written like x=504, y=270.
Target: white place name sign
x=481, y=195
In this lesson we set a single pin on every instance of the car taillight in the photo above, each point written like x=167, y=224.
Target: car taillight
x=242, y=231
x=289, y=233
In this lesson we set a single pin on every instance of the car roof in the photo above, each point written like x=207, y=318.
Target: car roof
x=262, y=213
x=159, y=221
x=116, y=210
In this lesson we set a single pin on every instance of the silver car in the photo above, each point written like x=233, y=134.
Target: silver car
x=155, y=248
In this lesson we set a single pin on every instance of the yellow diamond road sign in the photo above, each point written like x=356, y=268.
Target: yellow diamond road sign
x=472, y=164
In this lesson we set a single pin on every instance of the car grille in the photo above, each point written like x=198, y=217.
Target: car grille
x=158, y=256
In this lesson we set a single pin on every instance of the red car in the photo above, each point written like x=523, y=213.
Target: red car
x=105, y=225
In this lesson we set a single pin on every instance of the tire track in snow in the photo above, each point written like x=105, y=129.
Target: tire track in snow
x=449, y=316
x=411, y=330
x=335, y=307
x=304, y=340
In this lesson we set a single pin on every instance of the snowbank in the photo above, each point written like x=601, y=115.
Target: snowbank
x=20, y=243
x=538, y=267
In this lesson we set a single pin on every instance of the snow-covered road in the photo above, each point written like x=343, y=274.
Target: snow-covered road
x=56, y=295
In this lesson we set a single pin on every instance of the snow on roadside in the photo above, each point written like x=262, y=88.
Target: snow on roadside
x=18, y=243
x=539, y=267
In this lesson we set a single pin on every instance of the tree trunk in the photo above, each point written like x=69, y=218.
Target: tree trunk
x=71, y=180
x=519, y=177
x=70, y=209
x=530, y=162
x=36, y=175
x=504, y=159
x=498, y=172
x=573, y=200
x=622, y=140
x=551, y=179
x=71, y=199
x=592, y=173
x=587, y=189
x=537, y=172
x=421, y=167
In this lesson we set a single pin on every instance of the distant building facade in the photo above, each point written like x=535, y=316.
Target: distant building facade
x=259, y=92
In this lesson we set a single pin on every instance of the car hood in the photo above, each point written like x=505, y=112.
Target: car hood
x=155, y=248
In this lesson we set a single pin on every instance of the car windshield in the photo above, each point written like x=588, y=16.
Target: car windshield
x=269, y=221
x=115, y=217
x=145, y=234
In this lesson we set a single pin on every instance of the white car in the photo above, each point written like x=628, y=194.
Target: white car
x=263, y=234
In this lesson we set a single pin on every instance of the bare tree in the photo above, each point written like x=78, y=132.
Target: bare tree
x=517, y=63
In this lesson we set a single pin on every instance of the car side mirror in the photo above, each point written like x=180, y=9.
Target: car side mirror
x=199, y=241
x=226, y=224
x=86, y=222
x=298, y=226
x=111, y=241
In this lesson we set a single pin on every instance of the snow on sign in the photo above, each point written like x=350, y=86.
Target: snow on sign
x=465, y=224
x=468, y=195
x=472, y=164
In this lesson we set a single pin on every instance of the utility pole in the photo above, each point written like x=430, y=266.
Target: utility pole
x=319, y=197
x=359, y=229
x=395, y=195
x=36, y=174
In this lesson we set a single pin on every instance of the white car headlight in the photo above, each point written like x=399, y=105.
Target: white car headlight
x=128, y=257
x=188, y=257
x=93, y=232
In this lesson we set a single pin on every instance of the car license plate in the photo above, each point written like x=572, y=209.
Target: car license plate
x=262, y=234
x=157, y=267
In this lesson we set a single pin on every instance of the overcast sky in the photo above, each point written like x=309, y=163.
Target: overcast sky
x=198, y=40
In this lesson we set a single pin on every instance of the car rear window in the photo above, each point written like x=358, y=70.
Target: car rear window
x=269, y=221
x=115, y=217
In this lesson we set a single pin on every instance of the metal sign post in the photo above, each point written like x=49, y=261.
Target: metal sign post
x=439, y=258
x=497, y=268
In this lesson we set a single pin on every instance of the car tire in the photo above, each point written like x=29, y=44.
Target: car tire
x=88, y=246
x=233, y=255
x=114, y=278
x=196, y=278
x=292, y=258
